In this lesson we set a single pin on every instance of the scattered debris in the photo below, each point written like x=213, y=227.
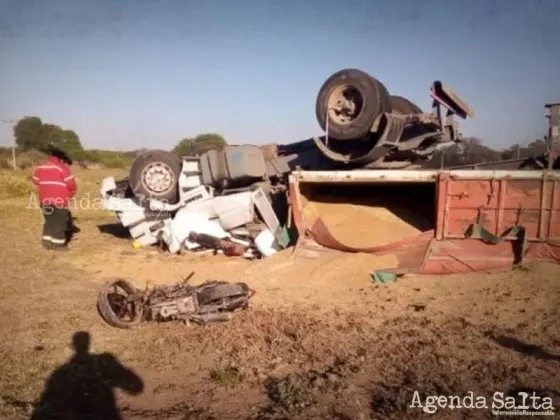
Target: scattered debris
x=381, y=276
x=229, y=247
x=417, y=307
x=200, y=221
x=123, y=306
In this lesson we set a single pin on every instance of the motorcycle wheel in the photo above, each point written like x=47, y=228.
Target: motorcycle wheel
x=115, y=306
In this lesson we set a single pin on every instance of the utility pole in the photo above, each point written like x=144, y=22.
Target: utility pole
x=12, y=123
x=553, y=133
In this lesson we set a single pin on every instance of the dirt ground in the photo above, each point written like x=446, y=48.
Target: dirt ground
x=320, y=340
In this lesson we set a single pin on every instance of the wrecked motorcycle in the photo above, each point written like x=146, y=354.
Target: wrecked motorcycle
x=122, y=305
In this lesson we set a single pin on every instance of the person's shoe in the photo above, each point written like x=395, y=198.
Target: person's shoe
x=47, y=245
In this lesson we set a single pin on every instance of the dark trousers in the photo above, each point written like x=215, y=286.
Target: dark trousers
x=57, y=229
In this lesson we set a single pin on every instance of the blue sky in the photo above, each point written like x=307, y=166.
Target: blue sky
x=126, y=74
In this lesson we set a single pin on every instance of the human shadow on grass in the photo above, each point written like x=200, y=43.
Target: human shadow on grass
x=519, y=346
x=115, y=229
x=83, y=387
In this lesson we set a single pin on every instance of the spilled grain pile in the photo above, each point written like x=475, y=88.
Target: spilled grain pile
x=363, y=221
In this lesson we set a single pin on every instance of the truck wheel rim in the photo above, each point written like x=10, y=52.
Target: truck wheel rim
x=345, y=104
x=158, y=177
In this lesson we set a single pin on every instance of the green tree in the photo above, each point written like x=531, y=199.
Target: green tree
x=183, y=148
x=199, y=144
x=476, y=152
x=535, y=148
x=70, y=143
x=28, y=133
x=32, y=133
x=472, y=151
x=50, y=135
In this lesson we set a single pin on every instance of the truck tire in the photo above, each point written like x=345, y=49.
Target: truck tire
x=403, y=106
x=360, y=99
x=154, y=175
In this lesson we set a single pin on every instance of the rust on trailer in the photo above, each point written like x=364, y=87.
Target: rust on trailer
x=498, y=205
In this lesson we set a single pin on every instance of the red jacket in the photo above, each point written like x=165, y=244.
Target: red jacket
x=55, y=181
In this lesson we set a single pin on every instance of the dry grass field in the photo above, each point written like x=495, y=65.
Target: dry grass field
x=320, y=341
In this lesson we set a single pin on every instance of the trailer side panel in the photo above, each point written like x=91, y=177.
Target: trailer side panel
x=499, y=204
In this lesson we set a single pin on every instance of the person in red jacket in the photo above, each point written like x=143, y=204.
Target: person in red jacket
x=56, y=185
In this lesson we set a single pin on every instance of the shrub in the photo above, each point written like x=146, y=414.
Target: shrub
x=15, y=184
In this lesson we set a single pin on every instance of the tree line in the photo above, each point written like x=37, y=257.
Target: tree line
x=474, y=151
x=34, y=136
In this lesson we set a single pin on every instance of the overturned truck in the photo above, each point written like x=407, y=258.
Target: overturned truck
x=236, y=197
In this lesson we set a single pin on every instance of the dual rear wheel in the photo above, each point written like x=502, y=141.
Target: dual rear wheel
x=351, y=100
